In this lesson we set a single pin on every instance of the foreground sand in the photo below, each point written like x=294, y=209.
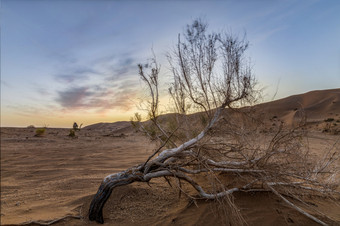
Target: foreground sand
x=46, y=178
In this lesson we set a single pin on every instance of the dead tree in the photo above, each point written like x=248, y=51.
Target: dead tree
x=212, y=75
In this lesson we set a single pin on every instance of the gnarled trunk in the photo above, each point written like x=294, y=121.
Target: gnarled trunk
x=105, y=190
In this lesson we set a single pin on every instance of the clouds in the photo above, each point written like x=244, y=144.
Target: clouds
x=116, y=66
x=123, y=66
x=73, y=97
x=98, y=98
x=110, y=83
x=76, y=74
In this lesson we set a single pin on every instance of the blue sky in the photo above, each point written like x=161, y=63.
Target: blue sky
x=65, y=60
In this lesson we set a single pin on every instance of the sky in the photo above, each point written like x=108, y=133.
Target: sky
x=65, y=61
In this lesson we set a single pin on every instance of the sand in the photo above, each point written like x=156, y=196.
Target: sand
x=46, y=178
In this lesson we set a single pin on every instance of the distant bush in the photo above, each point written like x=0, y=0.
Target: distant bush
x=31, y=127
x=76, y=127
x=72, y=133
x=329, y=120
x=40, y=132
x=136, y=122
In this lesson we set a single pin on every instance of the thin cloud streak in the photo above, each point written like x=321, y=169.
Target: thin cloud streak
x=73, y=97
x=110, y=83
x=75, y=75
x=99, y=97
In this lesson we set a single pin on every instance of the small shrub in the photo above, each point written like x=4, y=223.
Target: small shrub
x=72, y=133
x=31, y=127
x=135, y=121
x=40, y=132
x=76, y=127
x=329, y=120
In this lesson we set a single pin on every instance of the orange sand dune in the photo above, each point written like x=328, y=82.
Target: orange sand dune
x=110, y=126
x=316, y=105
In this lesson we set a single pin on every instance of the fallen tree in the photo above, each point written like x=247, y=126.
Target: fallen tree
x=212, y=74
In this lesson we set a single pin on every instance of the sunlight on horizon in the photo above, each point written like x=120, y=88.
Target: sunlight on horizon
x=69, y=61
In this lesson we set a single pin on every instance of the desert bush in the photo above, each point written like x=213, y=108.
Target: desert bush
x=133, y=124
x=39, y=132
x=76, y=127
x=136, y=122
x=329, y=120
x=31, y=127
x=212, y=75
x=72, y=133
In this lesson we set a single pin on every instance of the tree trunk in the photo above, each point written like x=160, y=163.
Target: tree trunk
x=105, y=190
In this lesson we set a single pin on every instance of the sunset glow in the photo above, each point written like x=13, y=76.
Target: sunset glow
x=66, y=61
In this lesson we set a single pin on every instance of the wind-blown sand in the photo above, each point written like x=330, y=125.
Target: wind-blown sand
x=46, y=178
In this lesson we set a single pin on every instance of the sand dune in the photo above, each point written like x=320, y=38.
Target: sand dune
x=317, y=105
x=108, y=126
x=45, y=178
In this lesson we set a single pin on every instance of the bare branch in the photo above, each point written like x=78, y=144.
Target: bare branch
x=296, y=207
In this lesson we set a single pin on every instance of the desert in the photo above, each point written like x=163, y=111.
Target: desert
x=170, y=113
x=53, y=177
